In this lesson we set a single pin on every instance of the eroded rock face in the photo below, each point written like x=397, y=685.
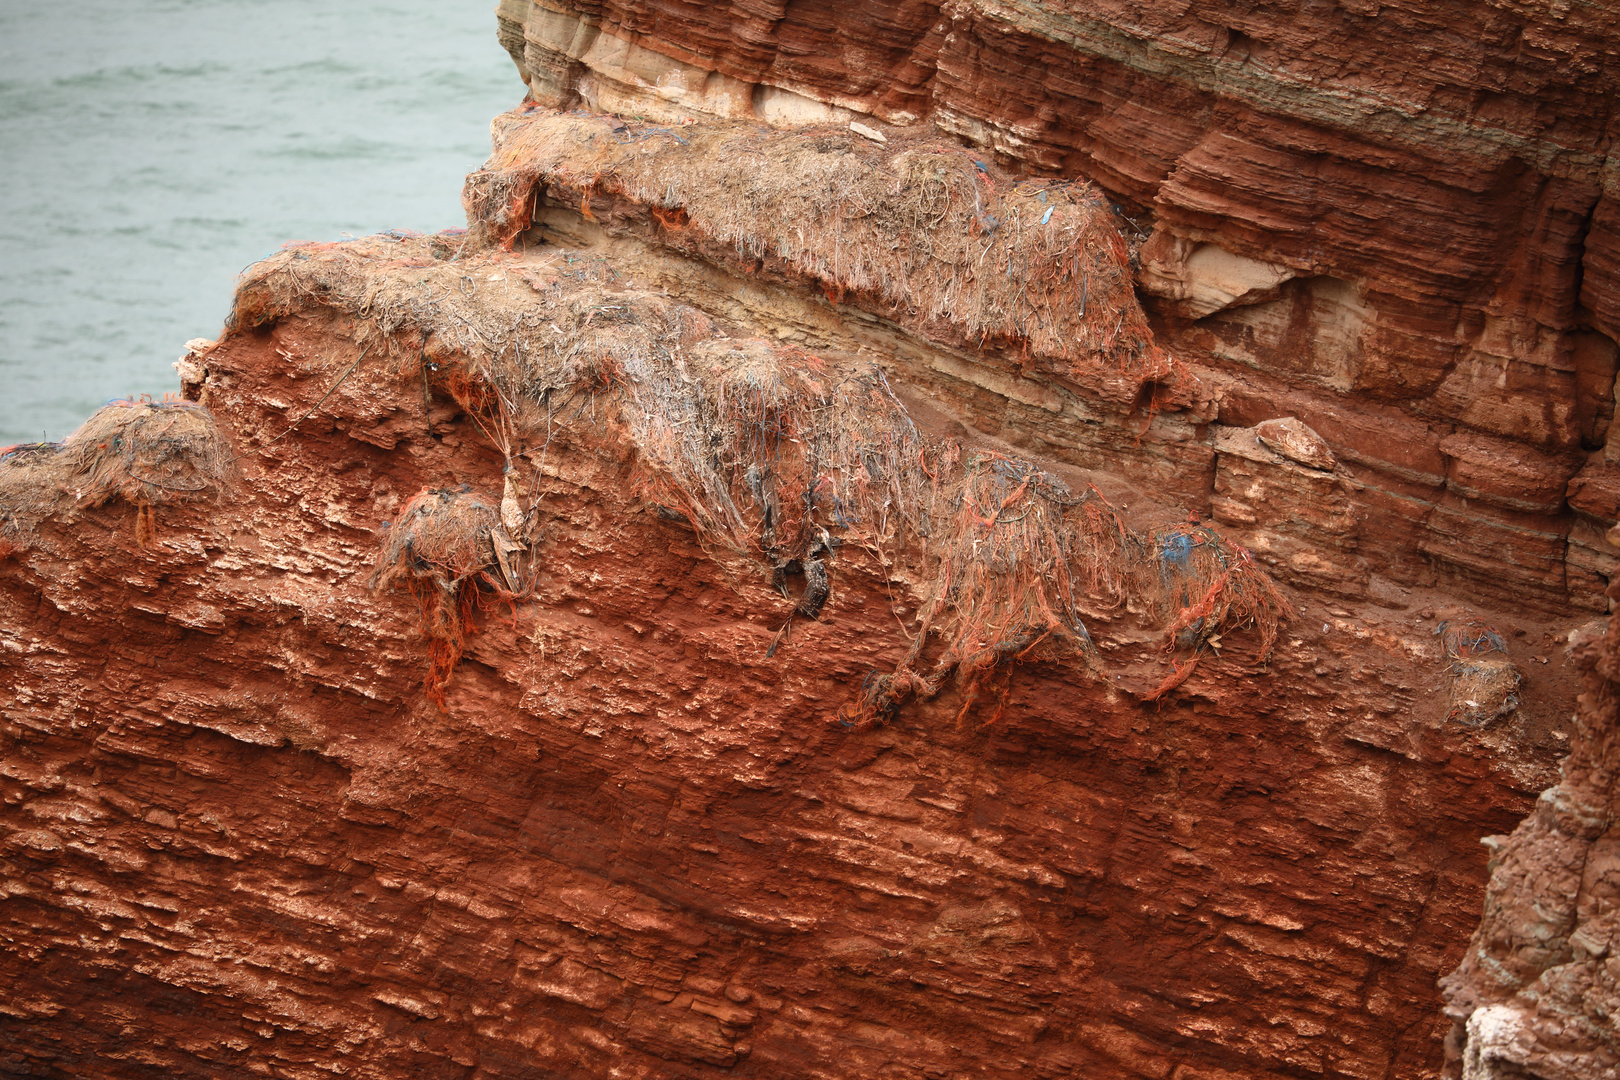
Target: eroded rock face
x=235, y=824
x=1537, y=991
x=640, y=834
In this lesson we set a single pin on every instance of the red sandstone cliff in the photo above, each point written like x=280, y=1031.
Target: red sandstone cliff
x=1397, y=222
x=628, y=824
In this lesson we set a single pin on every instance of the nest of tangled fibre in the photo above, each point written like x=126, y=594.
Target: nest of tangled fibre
x=146, y=453
x=919, y=229
x=1484, y=681
x=451, y=552
x=768, y=451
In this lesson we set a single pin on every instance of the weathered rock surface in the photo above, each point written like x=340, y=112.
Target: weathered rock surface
x=234, y=826
x=1537, y=993
x=633, y=839
x=1341, y=204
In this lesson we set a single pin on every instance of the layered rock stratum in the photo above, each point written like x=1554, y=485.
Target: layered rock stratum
x=903, y=540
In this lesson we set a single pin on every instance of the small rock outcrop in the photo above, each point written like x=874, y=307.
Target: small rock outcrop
x=1295, y=441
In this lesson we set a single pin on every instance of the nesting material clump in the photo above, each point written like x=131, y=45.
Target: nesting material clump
x=1203, y=585
x=449, y=550
x=768, y=451
x=1015, y=556
x=29, y=490
x=747, y=439
x=918, y=229
x=767, y=446
x=1484, y=681
x=1022, y=555
x=146, y=453
x=1201, y=582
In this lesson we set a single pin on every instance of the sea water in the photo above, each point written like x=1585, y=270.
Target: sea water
x=151, y=149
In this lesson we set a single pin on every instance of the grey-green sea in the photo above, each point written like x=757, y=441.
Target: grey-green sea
x=151, y=149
